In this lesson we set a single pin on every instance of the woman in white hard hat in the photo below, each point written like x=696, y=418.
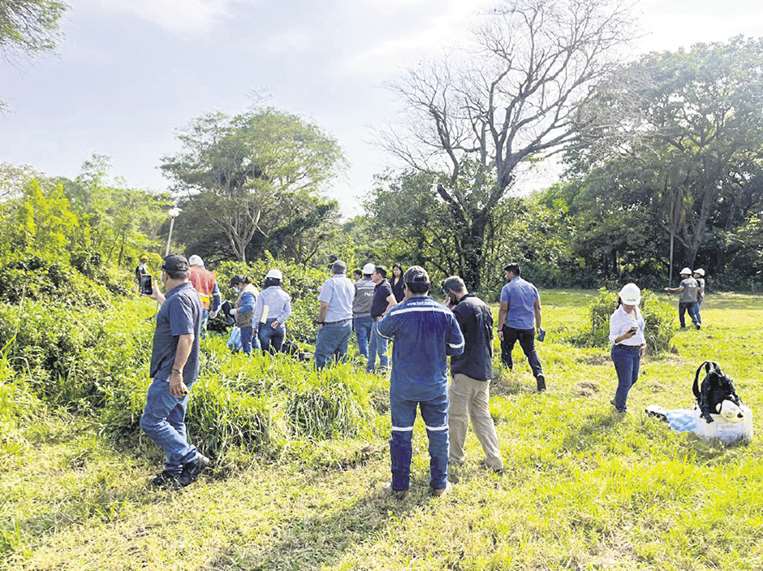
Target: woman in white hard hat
x=271, y=311
x=626, y=333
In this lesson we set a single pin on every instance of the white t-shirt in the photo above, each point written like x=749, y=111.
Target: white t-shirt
x=620, y=322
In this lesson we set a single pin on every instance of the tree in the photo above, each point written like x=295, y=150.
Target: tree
x=243, y=172
x=691, y=123
x=515, y=101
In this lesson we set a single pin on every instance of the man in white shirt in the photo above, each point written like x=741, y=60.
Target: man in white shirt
x=335, y=317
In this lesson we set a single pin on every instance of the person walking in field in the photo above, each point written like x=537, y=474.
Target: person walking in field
x=469, y=392
x=519, y=318
x=205, y=284
x=382, y=302
x=335, y=316
x=243, y=312
x=361, y=308
x=425, y=333
x=688, y=300
x=174, y=369
x=271, y=310
x=626, y=334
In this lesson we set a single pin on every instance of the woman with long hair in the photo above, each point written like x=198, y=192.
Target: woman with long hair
x=626, y=333
x=396, y=281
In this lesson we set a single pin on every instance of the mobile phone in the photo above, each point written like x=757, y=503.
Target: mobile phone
x=146, y=287
x=541, y=334
x=633, y=329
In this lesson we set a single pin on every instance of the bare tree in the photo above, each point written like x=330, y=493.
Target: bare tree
x=514, y=99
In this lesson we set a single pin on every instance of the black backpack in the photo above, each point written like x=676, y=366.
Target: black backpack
x=716, y=387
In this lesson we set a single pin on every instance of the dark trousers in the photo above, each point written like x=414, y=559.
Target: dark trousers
x=627, y=361
x=693, y=308
x=526, y=338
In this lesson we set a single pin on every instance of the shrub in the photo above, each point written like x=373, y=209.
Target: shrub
x=658, y=317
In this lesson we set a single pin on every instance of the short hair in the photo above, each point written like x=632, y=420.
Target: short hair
x=513, y=268
x=454, y=283
x=381, y=270
x=338, y=267
x=235, y=280
x=176, y=275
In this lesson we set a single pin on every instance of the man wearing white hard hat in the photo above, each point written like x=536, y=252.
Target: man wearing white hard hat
x=689, y=296
x=271, y=310
x=205, y=284
x=699, y=275
x=626, y=333
x=361, y=308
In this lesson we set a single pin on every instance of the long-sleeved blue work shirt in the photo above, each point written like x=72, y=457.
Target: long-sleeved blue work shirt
x=425, y=333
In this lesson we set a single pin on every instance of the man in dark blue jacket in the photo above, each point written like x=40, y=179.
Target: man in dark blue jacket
x=425, y=333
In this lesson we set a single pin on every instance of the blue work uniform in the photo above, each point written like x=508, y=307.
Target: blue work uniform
x=424, y=333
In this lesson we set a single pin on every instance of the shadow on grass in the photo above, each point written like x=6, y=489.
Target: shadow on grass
x=322, y=540
x=594, y=431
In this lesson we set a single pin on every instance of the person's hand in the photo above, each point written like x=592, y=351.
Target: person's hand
x=275, y=324
x=642, y=351
x=233, y=312
x=213, y=314
x=156, y=294
x=666, y=289
x=628, y=334
x=500, y=334
x=177, y=386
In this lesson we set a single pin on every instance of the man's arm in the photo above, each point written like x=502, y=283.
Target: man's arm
x=674, y=289
x=185, y=344
x=537, y=310
x=455, y=341
x=502, y=313
x=217, y=300
x=323, y=311
x=391, y=302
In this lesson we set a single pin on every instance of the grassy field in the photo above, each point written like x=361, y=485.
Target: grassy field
x=583, y=489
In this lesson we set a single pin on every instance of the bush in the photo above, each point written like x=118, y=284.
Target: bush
x=658, y=317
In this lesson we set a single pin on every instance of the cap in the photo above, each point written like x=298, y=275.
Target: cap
x=416, y=275
x=368, y=269
x=174, y=263
x=235, y=280
x=195, y=261
x=381, y=269
x=700, y=272
x=274, y=274
x=686, y=272
x=144, y=258
x=453, y=283
x=339, y=267
x=630, y=294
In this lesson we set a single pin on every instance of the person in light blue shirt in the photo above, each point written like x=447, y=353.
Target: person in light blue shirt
x=425, y=333
x=335, y=317
x=271, y=310
x=518, y=319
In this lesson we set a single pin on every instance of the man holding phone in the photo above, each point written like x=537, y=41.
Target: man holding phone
x=174, y=369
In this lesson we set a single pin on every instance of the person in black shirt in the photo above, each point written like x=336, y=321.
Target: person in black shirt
x=469, y=392
x=396, y=283
x=383, y=300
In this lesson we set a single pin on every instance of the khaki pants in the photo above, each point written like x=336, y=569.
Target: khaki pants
x=469, y=398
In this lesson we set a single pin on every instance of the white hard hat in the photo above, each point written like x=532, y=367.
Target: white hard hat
x=195, y=261
x=368, y=269
x=274, y=274
x=700, y=271
x=686, y=272
x=630, y=294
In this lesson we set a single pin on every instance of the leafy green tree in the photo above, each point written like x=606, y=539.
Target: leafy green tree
x=29, y=25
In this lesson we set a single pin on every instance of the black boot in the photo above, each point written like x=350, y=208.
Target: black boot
x=192, y=470
x=541, y=380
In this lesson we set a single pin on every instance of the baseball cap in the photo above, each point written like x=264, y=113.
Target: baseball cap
x=175, y=263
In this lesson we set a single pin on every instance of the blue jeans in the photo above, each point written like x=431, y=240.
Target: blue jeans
x=693, y=308
x=163, y=420
x=271, y=339
x=204, y=322
x=435, y=415
x=246, y=339
x=362, y=327
x=332, y=342
x=627, y=361
x=378, y=346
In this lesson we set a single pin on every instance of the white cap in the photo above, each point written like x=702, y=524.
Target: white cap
x=274, y=274
x=368, y=269
x=700, y=272
x=686, y=272
x=630, y=294
x=195, y=261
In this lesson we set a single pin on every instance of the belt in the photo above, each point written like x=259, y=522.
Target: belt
x=340, y=321
x=630, y=347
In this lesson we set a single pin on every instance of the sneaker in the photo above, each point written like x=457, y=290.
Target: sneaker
x=620, y=410
x=167, y=479
x=397, y=494
x=439, y=492
x=541, y=380
x=192, y=470
x=698, y=326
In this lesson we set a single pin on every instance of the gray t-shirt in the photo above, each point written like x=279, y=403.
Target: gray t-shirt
x=338, y=292
x=364, y=295
x=690, y=291
x=179, y=315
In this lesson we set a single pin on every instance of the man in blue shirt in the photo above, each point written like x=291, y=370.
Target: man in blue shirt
x=335, y=317
x=425, y=333
x=518, y=319
x=174, y=369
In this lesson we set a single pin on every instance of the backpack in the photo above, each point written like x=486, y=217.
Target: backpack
x=715, y=388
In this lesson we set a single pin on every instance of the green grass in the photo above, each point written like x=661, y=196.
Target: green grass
x=583, y=489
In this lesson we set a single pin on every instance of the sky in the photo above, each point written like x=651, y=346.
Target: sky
x=129, y=74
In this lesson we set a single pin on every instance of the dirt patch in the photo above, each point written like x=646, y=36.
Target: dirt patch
x=586, y=389
x=595, y=360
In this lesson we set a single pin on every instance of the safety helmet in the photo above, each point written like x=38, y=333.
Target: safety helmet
x=686, y=272
x=368, y=269
x=630, y=294
x=700, y=272
x=195, y=261
x=274, y=274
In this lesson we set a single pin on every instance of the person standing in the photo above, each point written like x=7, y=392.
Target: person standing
x=335, y=317
x=271, y=310
x=141, y=269
x=243, y=312
x=174, y=369
x=361, y=308
x=205, y=284
x=397, y=283
x=383, y=301
x=469, y=392
x=626, y=334
x=699, y=275
x=425, y=333
x=519, y=318
x=687, y=301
